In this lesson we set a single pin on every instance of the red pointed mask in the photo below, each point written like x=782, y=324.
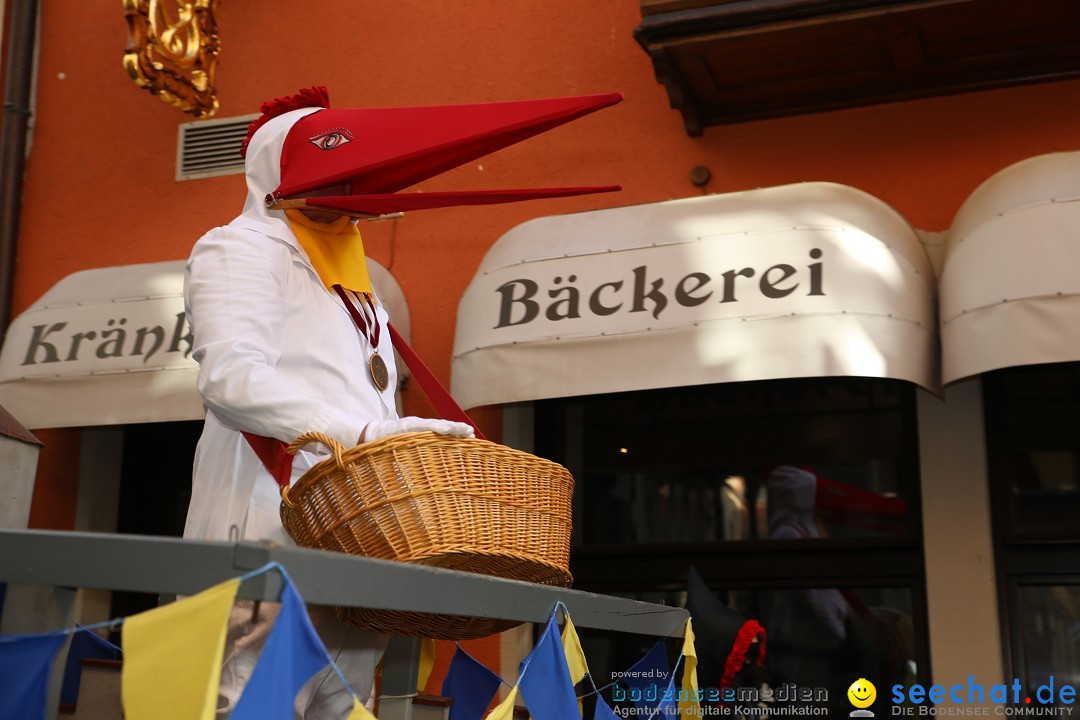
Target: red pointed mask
x=376, y=152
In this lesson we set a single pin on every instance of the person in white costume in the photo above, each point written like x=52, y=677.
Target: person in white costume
x=279, y=356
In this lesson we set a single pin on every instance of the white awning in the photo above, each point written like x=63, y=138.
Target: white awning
x=1010, y=290
x=806, y=280
x=111, y=346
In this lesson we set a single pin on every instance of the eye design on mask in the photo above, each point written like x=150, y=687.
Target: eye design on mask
x=331, y=139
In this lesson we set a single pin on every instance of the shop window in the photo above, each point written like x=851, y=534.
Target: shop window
x=742, y=461
x=1033, y=441
x=1033, y=416
x=797, y=501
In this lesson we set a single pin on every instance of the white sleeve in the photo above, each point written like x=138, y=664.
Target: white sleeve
x=233, y=295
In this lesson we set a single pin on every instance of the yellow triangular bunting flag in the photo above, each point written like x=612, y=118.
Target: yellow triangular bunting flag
x=505, y=709
x=359, y=711
x=427, y=663
x=689, y=675
x=172, y=657
x=575, y=657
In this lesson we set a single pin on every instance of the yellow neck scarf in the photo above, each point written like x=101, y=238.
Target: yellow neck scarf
x=335, y=249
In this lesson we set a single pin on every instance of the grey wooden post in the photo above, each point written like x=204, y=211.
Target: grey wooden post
x=401, y=666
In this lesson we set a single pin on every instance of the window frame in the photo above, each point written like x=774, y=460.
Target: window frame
x=1021, y=559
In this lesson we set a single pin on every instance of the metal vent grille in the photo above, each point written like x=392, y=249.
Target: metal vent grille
x=211, y=147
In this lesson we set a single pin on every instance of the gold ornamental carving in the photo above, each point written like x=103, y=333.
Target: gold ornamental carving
x=172, y=51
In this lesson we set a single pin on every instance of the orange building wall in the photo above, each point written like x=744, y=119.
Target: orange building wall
x=100, y=186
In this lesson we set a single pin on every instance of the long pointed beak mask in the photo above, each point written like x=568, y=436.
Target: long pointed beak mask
x=375, y=152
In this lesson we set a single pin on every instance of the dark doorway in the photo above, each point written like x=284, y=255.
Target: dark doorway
x=155, y=489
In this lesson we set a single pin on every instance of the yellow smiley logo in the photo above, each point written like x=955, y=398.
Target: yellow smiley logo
x=862, y=693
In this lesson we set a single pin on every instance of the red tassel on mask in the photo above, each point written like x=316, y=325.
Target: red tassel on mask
x=315, y=96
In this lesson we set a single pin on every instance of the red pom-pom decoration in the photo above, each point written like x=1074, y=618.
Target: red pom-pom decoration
x=316, y=96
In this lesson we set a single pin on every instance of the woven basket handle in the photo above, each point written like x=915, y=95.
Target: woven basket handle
x=299, y=444
x=317, y=437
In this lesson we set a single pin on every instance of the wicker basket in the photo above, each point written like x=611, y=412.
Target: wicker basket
x=456, y=503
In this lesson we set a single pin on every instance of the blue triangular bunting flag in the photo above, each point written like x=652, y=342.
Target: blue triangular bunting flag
x=471, y=685
x=545, y=679
x=668, y=707
x=603, y=711
x=84, y=644
x=25, y=663
x=647, y=677
x=292, y=654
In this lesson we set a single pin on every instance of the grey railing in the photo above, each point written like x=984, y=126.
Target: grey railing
x=64, y=561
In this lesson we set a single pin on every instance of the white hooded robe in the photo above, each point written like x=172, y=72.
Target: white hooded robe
x=278, y=356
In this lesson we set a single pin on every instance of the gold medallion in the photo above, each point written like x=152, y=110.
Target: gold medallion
x=379, y=374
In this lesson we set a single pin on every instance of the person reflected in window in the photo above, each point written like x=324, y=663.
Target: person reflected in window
x=826, y=637
x=808, y=628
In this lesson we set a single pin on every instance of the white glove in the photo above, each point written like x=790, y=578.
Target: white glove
x=382, y=428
